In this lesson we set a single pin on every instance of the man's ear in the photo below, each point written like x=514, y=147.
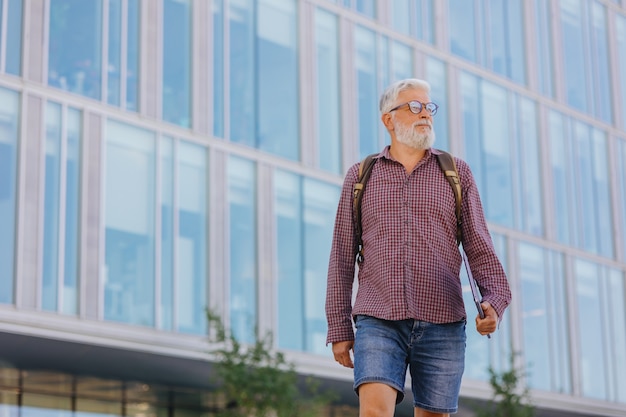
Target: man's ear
x=387, y=121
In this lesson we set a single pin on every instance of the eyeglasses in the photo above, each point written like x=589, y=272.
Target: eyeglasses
x=417, y=106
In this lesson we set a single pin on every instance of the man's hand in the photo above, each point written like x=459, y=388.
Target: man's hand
x=489, y=324
x=341, y=352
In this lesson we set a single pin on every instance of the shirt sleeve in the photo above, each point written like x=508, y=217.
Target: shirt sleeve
x=341, y=267
x=486, y=267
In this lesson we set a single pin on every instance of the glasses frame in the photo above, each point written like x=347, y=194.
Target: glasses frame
x=430, y=107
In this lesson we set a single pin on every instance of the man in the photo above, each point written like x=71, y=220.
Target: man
x=409, y=308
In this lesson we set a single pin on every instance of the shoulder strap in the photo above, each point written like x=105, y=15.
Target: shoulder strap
x=365, y=169
x=446, y=162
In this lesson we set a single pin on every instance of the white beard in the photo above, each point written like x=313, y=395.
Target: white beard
x=409, y=135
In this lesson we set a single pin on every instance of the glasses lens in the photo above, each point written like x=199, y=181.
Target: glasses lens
x=415, y=106
x=432, y=108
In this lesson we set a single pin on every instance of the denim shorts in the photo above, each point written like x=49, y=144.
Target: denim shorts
x=434, y=354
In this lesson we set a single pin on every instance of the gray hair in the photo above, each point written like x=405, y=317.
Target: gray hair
x=389, y=96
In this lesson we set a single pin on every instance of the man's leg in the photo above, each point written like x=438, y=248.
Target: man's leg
x=419, y=412
x=377, y=400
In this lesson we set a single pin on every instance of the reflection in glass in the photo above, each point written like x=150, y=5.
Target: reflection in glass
x=191, y=250
x=177, y=62
x=9, y=116
x=129, y=225
x=243, y=249
x=75, y=46
x=328, y=110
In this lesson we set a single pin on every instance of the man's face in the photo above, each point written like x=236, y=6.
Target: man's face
x=414, y=130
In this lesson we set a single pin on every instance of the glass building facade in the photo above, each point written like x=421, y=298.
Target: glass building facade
x=161, y=156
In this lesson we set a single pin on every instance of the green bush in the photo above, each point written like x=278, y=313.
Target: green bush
x=254, y=380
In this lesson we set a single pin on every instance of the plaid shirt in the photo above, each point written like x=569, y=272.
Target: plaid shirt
x=411, y=260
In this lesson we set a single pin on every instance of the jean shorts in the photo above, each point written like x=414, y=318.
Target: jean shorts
x=434, y=354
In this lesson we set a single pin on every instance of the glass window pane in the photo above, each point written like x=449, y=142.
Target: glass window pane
x=52, y=195
x=277, y=72
x=13, y=37
x=62, y=166
x=367, y=92
x=218, y=67
x=471, y=126
x=504, y=39
x=320, y=204
x=602, y=193
x=562, y=194
x=9, y=116
x=543, y=46
x=400, y=19
x=529, y=210
x=98, y=408
x=177, y=62
x=243, y=274
x=462, y=29
x=620, y=36
x=166, y=151
x=602, y=91
x=545, y=319
x=498, y=190
x=75, y=46
x=592, y=356
x=574, y=57
x=621, y=183
x=367, y=7
x=41, y=405
x=437, y=76
x=616, y=305
x=328, y=109
x=132, y=56
x=289, y=238
x=129, y=225
x=425, y=21
x=401, y=61
x=191, y=271
x=70, y=293
x=114, y=53
x=242, y=109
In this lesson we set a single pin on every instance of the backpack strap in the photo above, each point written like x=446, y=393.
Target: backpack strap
x=448, y=166
x=365, y=169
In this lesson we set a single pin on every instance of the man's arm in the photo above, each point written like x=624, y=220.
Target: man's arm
x=478, y=246
x=341, y=267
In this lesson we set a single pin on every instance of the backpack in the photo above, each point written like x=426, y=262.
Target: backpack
x=447, y=165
